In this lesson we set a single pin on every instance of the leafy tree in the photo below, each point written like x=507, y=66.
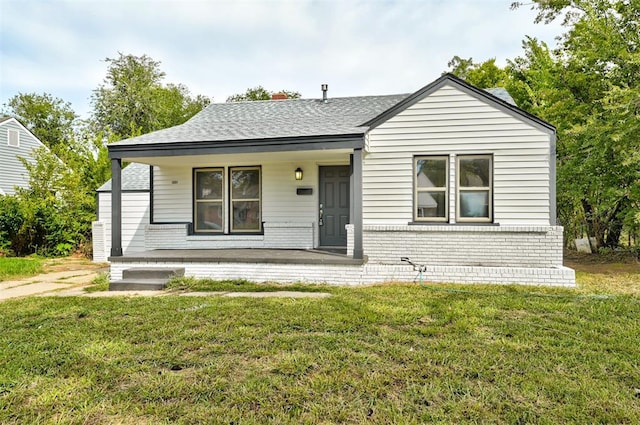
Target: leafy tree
x=53, y=216
x=260, y=93
x=50, y=119
x=484, y=75
x=132, y=99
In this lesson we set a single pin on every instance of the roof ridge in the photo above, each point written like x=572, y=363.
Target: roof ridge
x=308, y=99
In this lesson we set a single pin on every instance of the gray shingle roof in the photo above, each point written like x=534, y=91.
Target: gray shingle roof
x=502, y=94
x=134, y=177
x=274, y=119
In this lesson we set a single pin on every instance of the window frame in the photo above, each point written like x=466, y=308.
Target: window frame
x=11, y=131
x=226, y=201
x=230, y=214
x=488, y=189
x=417, y=190
x=196, y=201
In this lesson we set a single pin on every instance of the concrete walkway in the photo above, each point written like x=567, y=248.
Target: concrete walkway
x=72, y=284
x=47, y=284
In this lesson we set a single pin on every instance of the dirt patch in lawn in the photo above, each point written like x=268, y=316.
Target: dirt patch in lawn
x=74, y=262
x=618, y=263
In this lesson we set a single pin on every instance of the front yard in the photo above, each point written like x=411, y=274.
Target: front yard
x=381, y=354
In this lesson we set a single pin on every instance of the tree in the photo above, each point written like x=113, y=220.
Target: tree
x=53, y=216
x=50, y=119
x=593, y=91
x=132, y=99
x=260, y=93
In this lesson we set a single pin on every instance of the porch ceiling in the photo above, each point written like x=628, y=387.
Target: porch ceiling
x=326, y=156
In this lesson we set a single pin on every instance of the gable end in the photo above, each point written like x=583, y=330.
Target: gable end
x=473, y=91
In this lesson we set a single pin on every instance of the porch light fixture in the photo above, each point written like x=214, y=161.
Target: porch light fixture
x=298, y=173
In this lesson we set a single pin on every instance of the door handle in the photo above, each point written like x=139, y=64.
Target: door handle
x=321, y=215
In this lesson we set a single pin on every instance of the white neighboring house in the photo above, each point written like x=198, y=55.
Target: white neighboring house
x=135, y=214
x=456, y=178
x=15, y=141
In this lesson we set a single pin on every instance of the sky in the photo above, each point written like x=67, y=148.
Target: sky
x=218, y=48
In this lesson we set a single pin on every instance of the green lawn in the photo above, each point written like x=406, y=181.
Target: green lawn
x=383, y=354
x=11, y=268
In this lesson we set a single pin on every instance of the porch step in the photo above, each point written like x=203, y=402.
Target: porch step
x=145, y=279
x=152, y=272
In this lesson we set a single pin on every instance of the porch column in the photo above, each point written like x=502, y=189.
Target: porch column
x=356, y=206
x=116, y=207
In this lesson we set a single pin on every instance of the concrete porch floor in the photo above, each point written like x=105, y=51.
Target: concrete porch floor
x=248, y=255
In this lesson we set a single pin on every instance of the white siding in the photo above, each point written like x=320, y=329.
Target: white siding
x=135, y=217
x=12, y=171
x=452, y=122
x=280, y=203
x=172, y=194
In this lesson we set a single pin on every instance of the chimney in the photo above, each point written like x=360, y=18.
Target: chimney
x=279, y=96
x=325, y=89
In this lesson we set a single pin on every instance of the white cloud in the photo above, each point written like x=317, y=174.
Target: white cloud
x=219, y=48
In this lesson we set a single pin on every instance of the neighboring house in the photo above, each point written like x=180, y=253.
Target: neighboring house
x=456, y=178
x=135, y=216
x=15, y=141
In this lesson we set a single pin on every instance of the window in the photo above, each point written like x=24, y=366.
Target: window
x=213, y=213
x=474, y=198
x=209, y=200
x=431, y=188
x=245, y=199
x=13, y=137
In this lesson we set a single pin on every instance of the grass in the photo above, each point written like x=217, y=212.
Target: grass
x=379, y=354
x=99, y=283
x=237, y=285
x=13, y=268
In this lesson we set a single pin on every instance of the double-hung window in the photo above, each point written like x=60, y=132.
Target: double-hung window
x=431, y=188
x=230, y=204
x=209, y=200
x=245, y=199
x=474, y=188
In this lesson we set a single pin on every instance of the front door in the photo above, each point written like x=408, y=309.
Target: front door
x=334, y=205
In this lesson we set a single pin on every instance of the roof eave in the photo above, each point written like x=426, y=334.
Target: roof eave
x=278, y=144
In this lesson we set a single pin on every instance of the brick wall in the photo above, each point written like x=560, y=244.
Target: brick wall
x=361, y=274
x=276, y=235
x=495, y=246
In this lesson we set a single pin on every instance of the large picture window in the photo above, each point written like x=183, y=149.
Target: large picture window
x=475, y=181
x=431, y=188
x=222, y=204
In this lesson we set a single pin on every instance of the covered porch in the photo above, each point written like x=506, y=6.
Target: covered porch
x=287, y=210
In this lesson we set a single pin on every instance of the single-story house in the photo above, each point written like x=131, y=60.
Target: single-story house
x=338, y=189
x=15, y=142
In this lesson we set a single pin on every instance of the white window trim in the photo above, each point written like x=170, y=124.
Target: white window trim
x=458, y=189
x=197, y=201
x=10, y=132
x=258, y=199
x=417, y=190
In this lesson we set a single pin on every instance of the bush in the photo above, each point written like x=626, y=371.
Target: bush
x=53, y=217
